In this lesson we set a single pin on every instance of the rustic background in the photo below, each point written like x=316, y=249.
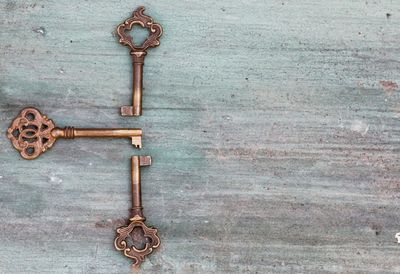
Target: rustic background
x=273, y=126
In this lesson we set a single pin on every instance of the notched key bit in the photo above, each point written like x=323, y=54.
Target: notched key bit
x=136, y=239
x=32, y=133
x=138, y=53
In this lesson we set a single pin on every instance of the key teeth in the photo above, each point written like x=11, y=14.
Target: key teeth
x=127, y=111
x=145, y=160
x=137, y=141
x=131, y=111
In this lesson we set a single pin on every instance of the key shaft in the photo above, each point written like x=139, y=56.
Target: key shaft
x=138, y=63
x=136, y=163
x=97, y=132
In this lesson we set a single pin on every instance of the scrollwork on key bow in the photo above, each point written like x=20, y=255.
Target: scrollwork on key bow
x=138, y=17
x=125, y=234
x=30, y=133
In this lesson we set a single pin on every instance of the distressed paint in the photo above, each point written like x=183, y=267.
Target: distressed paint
x=273, y=126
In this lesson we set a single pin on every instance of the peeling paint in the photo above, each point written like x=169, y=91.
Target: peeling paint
x=40, y=30
x=360, y=127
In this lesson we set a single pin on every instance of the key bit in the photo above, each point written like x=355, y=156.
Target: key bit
x=136, y=239
x=32, y=133
x=138, y=53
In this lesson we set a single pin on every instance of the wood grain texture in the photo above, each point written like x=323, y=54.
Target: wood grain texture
x=273, y=126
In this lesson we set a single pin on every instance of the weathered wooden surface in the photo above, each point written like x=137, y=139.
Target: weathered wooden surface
x=273, y=125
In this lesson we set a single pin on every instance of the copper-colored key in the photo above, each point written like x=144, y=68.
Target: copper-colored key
x=136, y=239
x=138, y=54
x=32, y=133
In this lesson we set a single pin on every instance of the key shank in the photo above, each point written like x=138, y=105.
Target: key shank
x=70, y=133
x=137, y=162
x=137, y=89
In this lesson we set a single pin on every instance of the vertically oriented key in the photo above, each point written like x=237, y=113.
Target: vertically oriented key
x=136, y=239
x=138, y=53
x=32, y=133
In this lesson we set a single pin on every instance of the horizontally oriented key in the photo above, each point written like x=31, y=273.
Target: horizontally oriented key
x=32, y=133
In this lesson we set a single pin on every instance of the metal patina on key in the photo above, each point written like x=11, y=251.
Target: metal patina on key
x=138, y=53
x=136, y=239
x=32, y=133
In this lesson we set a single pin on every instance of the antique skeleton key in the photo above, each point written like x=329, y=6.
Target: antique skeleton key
x=136, y=239
x=138, y=54
x=32, y=133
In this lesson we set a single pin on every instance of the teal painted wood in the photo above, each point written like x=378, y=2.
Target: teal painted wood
x=273, y=126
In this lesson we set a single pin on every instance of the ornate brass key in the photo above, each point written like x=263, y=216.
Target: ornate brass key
x=138, y=53
x=136, y=239
x=32, y=133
